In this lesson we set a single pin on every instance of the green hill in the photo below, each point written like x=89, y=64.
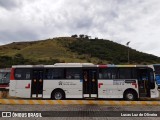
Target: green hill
x=68, y=49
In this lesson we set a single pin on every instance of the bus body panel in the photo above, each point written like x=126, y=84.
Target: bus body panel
x=12, y=88
x=154, y=92
x=72, y=88
x=49, y=86
x=23, y=88
x=122, y=86
x=107, y=89
x=114, y=88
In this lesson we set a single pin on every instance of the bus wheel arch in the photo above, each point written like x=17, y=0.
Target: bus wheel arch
x=130, y=94
x=58, y=94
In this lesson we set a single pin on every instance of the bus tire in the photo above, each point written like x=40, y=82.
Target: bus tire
x=58, y=95
x=130, y=95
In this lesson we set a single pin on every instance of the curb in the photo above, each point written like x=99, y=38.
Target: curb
x=76, y=102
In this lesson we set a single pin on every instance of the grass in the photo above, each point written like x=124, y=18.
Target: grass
x=58, y=48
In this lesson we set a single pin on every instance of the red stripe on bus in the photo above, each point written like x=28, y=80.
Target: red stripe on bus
x=134, y=85
x=28, y=86
x=12, y=74
x=99, y=85
x=102, y=66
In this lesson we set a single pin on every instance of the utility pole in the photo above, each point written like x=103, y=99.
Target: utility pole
x=128, y=50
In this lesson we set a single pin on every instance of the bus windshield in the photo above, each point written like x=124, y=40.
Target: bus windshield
x=157, y=73
x=4, y=77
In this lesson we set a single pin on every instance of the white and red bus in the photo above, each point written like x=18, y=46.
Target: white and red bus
x=83, y=80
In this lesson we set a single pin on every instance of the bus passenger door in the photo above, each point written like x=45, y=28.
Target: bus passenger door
x=143, y=82
x=90, y=87
x=37, y=84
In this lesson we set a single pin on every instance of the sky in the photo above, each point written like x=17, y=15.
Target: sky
x=137, y=21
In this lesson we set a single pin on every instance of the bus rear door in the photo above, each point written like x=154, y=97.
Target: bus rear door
x=37, y=84
x=90, y=87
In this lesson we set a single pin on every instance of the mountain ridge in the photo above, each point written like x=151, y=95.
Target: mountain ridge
x=70, y=49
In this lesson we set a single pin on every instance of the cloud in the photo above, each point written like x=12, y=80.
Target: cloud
x=8, y=4
x=25, y=35
x=118, y=20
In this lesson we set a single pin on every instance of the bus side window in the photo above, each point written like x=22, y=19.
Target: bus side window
x=103, y=74
x=100, y=75
x=18, y=74
x=107, y=73
x=2, y=77
x=28, y=76
x=6, y=77
x=125, y=73
x=134, y=73
x=22, y=74
x=55, y=73
x=48, y=74
x=114, y=73
x=74, y=73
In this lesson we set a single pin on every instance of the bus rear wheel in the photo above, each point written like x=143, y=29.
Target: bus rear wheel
x=58, y=95
x=130, y=96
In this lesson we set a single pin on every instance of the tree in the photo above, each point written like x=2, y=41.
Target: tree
x=74, y=36
x=5, y=61
x=81, y=36
x=86, y=37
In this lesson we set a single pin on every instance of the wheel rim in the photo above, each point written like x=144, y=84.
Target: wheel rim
x=58, y=96
x=130, y=96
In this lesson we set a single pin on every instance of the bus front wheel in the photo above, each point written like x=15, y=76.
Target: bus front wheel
x=130, y=95
x=58, y=95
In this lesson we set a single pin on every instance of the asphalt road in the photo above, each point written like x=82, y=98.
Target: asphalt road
x=84, y=112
